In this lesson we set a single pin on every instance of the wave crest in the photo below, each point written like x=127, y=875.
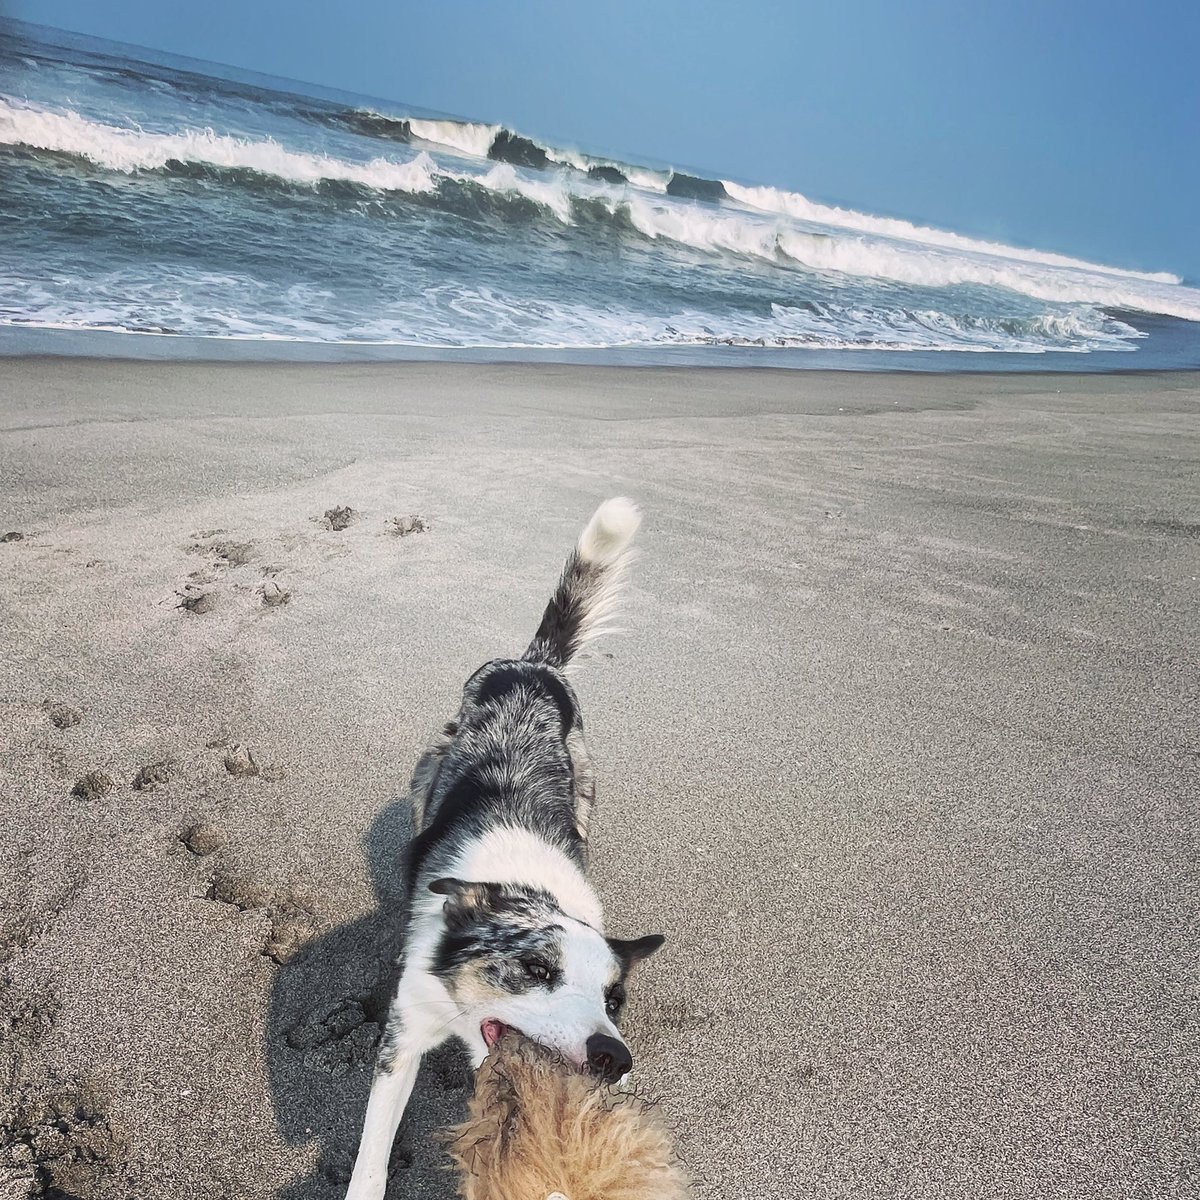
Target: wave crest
x=801, y=208
x=465, y=137
x=129, y=150
x=922, y=258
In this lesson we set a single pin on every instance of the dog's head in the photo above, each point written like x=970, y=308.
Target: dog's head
x=513, y=960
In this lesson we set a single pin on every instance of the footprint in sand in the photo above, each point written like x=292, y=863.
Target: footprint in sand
x=339, y=1037
x=222, y=552
x=340, y=517
x=338, y=1165
x=204, y=838
x=62, y=716
x=200, y=593
x=26, y=913
x=152, y=775
x=196, y=601
x=239, y=760
x=243, y=891
x=241, y=763
x=56, y=1138
x=291, y=914
x=228, y=553
x=403, y=526
x=293, y=923
x=92, y=785
x=273, y=595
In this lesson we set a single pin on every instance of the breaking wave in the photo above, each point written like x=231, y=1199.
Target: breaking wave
x=466, y=137
x=129, y=150
x=763, y=224
x=476, y=139
x=793, y=204
x=711, y=229
x=291, y=212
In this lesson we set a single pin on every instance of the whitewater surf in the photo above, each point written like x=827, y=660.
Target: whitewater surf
x=169, y=198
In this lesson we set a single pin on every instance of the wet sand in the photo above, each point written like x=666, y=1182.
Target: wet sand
x=899, y=749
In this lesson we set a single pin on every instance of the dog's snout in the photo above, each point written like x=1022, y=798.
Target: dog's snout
x=608, y=1057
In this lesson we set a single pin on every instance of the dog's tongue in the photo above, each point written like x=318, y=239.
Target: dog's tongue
x=493, y=1031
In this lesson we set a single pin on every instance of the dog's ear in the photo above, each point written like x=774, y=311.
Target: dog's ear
x=631, y=952
x=465, y=897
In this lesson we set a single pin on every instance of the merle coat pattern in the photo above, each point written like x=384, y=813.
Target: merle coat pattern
x=504, y=930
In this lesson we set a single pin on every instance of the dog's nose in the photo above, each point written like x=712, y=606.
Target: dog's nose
x=608, y=1057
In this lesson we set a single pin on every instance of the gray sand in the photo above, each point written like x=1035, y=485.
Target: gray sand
x=899, y=749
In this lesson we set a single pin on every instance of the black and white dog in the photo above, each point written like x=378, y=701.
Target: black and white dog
x=504, y=931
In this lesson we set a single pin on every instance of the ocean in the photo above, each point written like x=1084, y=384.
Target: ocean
x=171, y=208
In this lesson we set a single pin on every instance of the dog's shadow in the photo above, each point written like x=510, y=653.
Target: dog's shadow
x=328, y=1005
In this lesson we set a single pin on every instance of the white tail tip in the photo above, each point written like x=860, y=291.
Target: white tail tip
x=610, y=531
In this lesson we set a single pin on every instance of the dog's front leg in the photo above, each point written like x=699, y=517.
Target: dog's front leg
x=417, y=1022
x=390, y=1090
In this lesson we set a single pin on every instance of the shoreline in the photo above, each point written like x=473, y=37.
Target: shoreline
x=1175, y=347
x=896, y=748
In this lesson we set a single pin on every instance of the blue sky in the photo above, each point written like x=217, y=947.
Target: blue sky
x=1059, y=124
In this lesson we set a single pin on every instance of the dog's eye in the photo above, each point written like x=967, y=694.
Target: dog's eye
x=536, y=969
x=613, y=1001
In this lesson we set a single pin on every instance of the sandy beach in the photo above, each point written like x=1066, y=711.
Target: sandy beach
x=899, y=749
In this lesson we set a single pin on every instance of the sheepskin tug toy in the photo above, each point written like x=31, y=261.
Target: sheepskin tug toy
x=538, y=1129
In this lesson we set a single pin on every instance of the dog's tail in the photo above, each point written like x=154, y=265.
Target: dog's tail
x=589, y=587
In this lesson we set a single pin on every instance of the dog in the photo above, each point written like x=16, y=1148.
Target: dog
x=505, y=933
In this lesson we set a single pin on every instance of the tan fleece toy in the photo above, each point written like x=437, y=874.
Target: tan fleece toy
x=538, y=1129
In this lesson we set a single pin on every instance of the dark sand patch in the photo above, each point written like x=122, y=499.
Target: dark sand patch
x=1174, y=528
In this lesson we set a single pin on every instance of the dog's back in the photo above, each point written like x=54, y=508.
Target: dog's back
x=515, y=755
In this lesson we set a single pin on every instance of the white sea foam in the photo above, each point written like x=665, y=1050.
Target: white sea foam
x=467, y=137
x=129, y=149
x=710, y=228
x=452, y=314
x=793, y=204
x=642, y=177
x=932, y=267
x=907, y=254
x=646, y=177
x=552, y=192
